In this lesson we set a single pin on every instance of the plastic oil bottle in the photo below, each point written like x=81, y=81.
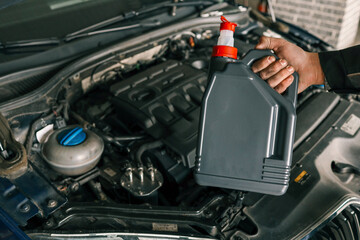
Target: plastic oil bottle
x=247, y=129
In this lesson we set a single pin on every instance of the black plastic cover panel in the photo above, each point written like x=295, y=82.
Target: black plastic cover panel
x=165, y=101
x=325, y=177
x=311, y=114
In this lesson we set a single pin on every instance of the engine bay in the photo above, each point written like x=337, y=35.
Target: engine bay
x=131, y=119
x=147, y=124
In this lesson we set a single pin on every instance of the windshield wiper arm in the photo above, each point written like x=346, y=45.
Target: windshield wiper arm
x=101, y=24
x=116, y=29
x=132, y=14
x=30, y=43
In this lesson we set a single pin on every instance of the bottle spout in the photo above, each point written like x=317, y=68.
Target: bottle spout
x=225, y=44
x=226, y=25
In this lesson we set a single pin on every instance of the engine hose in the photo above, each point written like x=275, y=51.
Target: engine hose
x=128, y=138
x=111, y=139
x=145, y=147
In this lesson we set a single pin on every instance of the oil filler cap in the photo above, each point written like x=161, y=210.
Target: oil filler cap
x=72, y=136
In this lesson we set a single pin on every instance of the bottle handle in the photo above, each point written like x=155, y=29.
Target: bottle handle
x=256, y=54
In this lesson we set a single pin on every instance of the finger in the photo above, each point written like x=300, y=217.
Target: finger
x=273, y=69
x=280, y=76
x=284, y=84
x=269, y=43
x=262, y=63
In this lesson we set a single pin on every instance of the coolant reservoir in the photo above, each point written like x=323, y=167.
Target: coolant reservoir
x=72, y=150
x=246, y=128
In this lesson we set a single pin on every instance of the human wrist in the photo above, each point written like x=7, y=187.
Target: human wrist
x=318, y=76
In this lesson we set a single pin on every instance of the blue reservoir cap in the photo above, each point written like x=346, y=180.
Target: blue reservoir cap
x=72, y=136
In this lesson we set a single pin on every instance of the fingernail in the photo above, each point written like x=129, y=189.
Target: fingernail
x=283, y=62
x=290, y=69
x=271, y=59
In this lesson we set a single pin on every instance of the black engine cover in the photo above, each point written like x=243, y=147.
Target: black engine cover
x=164, y=100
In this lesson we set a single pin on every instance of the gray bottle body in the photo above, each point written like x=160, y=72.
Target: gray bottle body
x=246, y=129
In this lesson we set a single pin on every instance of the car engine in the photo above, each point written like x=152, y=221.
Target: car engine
x=112, y=145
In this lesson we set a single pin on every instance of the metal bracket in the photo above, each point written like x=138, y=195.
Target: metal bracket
x=40, y=191
x=28, y=195
x=17, y=206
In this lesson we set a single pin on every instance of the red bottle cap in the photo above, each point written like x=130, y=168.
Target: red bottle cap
x=226, y=25
x=224, y=51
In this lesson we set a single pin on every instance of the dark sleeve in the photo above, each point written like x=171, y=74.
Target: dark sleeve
x=342, y=68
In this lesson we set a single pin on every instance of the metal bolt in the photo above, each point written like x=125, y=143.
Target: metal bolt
x=1, y=147
x=43, y=123
x=25, y=208
x=74, y=187
x=152, y=174
x=129, y=173
x=52, y=203
x=76, y=76
x=208, y=213
x=173, y=9
x=141, y=174
x=49, y=223
x=3, y=152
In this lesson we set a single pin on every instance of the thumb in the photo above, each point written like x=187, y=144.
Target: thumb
x=268, y=43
